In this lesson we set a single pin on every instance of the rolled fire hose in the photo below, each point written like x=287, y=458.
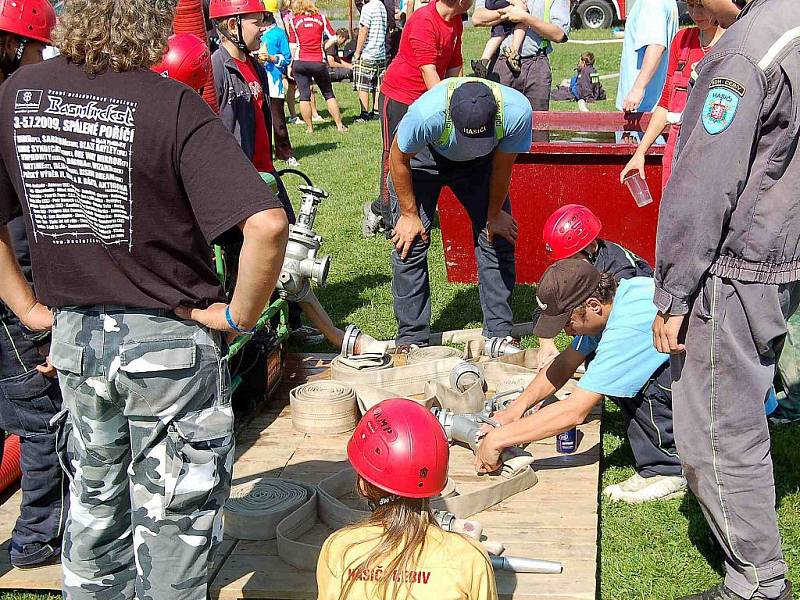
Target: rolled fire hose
x=431, y=353
x=10, y=468
x=322, y=505
x=350, y=369
x=324, y=407
x=254, y=509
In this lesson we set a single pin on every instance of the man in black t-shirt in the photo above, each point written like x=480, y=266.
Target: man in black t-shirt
x=338, y=68
x=121, y=176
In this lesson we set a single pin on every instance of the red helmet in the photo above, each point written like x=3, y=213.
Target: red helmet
x=400, y=447
x=219, y=9
x=187, y=60
x=569, y=230
x=32, y=19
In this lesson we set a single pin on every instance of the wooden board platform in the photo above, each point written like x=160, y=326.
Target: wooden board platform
x=554, y=520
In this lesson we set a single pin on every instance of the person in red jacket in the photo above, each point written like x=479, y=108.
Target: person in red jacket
x=430, y=50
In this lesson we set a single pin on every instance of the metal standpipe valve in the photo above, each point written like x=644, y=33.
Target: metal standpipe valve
x=301, y=265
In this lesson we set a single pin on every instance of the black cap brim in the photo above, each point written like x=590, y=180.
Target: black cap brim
x=549, y=326
x=479, y=146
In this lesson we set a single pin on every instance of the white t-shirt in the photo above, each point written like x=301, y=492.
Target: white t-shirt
x=373, y=17
x=649, y=22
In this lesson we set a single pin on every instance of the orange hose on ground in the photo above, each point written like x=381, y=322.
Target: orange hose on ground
x=10, y=470
x=189, y=19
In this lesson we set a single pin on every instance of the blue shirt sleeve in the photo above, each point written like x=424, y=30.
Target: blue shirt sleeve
x=585, y=344
x=517, y=122
x=424, y=122
x=624, y=362
x=652, y=27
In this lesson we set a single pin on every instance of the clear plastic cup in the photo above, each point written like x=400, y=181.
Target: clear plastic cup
x=639, y=189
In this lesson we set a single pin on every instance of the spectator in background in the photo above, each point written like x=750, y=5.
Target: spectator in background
x=276, y=56
x=338, y=68
x=430, y=50
x=369, y=60
x=688, y=48
x=309, y=32
x=649, y=31
x=584, y=85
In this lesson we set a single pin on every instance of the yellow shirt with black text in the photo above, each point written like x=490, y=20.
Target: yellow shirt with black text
x=451, y=566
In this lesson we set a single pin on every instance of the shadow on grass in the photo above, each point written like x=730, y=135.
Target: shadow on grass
x=305, y=150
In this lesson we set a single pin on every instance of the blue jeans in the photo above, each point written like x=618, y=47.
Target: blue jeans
x=411, y=292
x=28, y=402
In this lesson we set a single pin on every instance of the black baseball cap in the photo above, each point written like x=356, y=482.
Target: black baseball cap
x=565, y=285
x=474, y=111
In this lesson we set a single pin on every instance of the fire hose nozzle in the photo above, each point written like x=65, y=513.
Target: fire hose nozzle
x=496, y=347
x=520, y=564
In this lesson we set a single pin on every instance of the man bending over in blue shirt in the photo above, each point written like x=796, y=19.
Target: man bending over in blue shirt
x=613, y=321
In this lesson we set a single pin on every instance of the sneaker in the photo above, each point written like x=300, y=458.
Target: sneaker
x=513, y=60
x=781, y=416
x=318, y=119
x=34, y=555
x=720, y=592
x=480, y=68
x=292, y=162
x=372, y=223
x=637, y=489
x=376, y=115
x=307, y=335
x=364, y=117
x=296, y=121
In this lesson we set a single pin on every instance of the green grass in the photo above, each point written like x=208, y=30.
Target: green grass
x=656, y=551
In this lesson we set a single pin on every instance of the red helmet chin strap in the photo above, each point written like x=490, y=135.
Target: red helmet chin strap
x=240, y=42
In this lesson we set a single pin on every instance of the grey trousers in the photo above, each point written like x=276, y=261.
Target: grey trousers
x=151, y=452
x=733, y=340
x=411, y=292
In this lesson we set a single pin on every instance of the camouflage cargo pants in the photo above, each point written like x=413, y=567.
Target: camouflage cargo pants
x=152, y=452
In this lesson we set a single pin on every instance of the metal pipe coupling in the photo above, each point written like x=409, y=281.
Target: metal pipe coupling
x=301, y=265
x=466, y=374
x=496, y=347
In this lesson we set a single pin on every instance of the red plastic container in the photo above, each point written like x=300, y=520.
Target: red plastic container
x=579, y=164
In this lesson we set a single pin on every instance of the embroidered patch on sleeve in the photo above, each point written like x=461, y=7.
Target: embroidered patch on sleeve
x=719, y=109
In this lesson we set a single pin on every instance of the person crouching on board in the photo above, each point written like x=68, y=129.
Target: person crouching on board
x=612, y=322
x=400, y=454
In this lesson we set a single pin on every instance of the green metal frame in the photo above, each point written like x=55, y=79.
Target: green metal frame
x=278, y=308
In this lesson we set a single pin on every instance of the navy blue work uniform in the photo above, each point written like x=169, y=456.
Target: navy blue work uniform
x=28, y=402
x=439, y=162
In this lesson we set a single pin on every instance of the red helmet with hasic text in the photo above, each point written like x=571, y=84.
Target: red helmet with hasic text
x=400, y=447
x=31, y=19
x=219, y=9
x=569, y=230
x=187, y=60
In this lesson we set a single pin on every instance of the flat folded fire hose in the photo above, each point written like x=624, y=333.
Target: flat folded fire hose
x=323, y=505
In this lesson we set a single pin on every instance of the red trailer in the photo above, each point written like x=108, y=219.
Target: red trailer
x=579, y=164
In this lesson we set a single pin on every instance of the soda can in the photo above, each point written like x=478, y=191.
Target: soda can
x=566, y=441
